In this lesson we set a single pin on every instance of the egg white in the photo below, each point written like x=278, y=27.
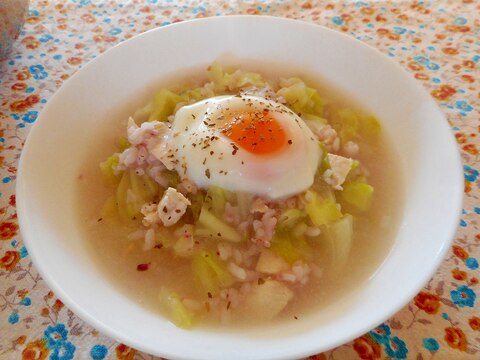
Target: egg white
x=208, y=157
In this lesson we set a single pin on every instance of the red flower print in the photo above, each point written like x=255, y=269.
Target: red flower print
x=471, y=149
x=459, y=274
x=30, y=42
x=88, y=18
x=307, y=5
x=20, y=340
x=468, y=78
x=32, y=20
x=422, y=76
x=444, y=92
x=457, y=28
x=32, y=99
x=430, y=303
x=367, y=348
x=36, y=350
x=459, y=252
x=450, y=51
x=19, y=106
x=23, y=75
x=10, y=260
x=8, y=230
x=468, y=187
x=19, y=86
x=124, y=352
x=413, y=65
x=461, y=138
x=74, y=60
x=22, y=293
x=455, y=338
x=58, y=305
x=367, y=11
x=474, y=323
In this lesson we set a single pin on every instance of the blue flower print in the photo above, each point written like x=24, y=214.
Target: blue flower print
x=431, y=344
x=63, y=351
x=99, y=352
x=23, y=252
x=472, y=263
x=38, y=72
x=463, y=296
x=30, y=116
x=421, y=60
x=26, y=301
x=56, y=339
x=470, y=174
x=337, y=20
x=433, y=66
x=55, y=335
x=396, y=348
x=115, y=31
x=463, y=105
x=13, y=318
x=45, y=38
x=381, y=334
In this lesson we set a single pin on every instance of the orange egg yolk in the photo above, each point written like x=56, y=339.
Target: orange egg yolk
x=256, y=132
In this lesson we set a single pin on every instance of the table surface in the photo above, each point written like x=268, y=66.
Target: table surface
x=438, y=43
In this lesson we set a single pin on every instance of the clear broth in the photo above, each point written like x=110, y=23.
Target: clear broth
x=117, y=257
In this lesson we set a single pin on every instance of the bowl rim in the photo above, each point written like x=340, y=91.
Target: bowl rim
x=368, y=324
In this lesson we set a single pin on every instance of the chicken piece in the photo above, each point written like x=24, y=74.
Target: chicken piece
x=339, y=168
x=150, y=214
x=172, y=206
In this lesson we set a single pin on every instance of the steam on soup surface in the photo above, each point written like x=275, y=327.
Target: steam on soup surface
x=237, y=199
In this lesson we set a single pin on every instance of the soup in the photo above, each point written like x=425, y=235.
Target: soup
x=238, y=198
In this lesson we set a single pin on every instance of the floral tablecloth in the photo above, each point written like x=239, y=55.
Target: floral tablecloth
x=437, y=42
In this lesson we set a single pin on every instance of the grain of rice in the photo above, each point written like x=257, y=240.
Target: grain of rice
x=149, y=243
x=224, y=251
x=136, y=235
x=351, y=149
x=237, y=271
x=288, y=277
x=313, y=231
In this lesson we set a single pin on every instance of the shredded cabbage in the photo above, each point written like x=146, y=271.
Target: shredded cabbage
x=176, y=311
x=321, y=207
x=209, y=273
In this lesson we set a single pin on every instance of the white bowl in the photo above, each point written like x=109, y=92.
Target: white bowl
x=103, y=90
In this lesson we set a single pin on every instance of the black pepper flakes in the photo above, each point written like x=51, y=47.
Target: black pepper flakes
x=207, y=173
